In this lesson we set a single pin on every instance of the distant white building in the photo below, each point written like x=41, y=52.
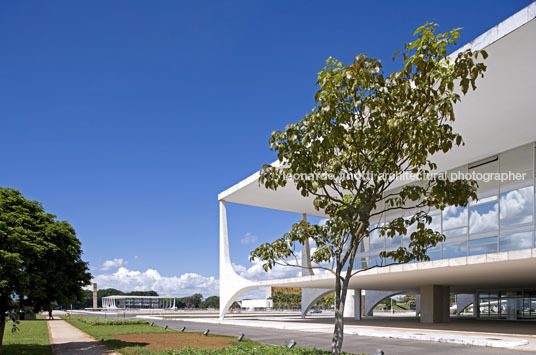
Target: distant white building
x=138, y=302
x=255, y=305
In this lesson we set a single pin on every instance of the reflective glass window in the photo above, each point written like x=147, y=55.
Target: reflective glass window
x=483, y=218
x=377, y=242
x=434, y=253
x=454, y=250
x=483, y=246
x=455, y=220
x=517, y=206
x=515, y=241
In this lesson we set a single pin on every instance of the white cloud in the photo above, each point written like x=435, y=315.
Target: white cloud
x=255, y=271
x=249, y=239
x=184, y=285
x=112, y=264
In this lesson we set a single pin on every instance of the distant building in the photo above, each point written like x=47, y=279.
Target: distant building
x=255, y=305
x=138, y=302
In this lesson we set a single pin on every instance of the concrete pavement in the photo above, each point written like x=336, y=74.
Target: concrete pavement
x=67, y=340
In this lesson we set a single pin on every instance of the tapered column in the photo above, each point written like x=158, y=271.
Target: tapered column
x=306, y=255
x=435, y=304
x=231, y=285
x=357, y=304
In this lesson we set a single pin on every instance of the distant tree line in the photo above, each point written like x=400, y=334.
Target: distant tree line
x=291, y=300
x=285, y=300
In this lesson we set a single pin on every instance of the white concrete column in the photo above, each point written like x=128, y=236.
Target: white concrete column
x=231, y=285
x=306, y=255
x=435, y=304
x=357, y=304
x=349, y=304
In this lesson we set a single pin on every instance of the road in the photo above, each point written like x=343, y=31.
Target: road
x=352, y=343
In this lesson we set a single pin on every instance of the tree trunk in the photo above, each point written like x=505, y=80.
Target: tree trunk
x=2, y=329
x=340, y=299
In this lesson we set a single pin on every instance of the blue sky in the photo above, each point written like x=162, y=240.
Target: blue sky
x=127, y=118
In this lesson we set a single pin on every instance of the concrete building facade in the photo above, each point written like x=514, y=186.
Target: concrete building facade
x=489, y=256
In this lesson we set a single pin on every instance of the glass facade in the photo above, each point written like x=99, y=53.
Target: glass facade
x=502, y=219
x=507, y=304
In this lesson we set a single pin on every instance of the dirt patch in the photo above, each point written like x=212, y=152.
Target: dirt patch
x=176, y=341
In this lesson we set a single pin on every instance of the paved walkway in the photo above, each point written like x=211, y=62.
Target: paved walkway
x=67, y=339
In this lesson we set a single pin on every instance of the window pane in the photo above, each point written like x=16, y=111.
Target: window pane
x=483, y=246
x=377, y=242
x=515, y=241
x=483, y=218
x=361, y=263
x=434, y=253
x=394, y=242
x=410, y=230
x=483, y=200
x=454, y=250
x=435, y=225
x=455, y=232
x=375, y=261
x=454, y=217
x=517, y=206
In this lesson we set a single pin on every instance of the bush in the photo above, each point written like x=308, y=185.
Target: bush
x=111, y=321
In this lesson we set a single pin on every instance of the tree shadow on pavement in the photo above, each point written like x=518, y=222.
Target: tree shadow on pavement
x=26, y=349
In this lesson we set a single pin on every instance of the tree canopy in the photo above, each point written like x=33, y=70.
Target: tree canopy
x=367, y=132
x=40, y=258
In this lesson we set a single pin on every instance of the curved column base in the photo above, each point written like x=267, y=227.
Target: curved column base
x=463, y=301
x=372, y=298
x=310, y=296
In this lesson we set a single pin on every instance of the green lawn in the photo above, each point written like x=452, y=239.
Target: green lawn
x=91, y=326
x=31, y=339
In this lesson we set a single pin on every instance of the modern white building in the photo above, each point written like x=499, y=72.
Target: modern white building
x=253, y=305
x=489, y=256
x=138, y=302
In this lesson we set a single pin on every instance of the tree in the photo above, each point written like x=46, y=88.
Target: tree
x=366, y=131
x=193, y=301
x=211, y=302
x=39, y=258
x=60, y=274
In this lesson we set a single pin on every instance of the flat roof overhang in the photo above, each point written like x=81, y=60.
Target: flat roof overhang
x=513, y=269
x=498, y=116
